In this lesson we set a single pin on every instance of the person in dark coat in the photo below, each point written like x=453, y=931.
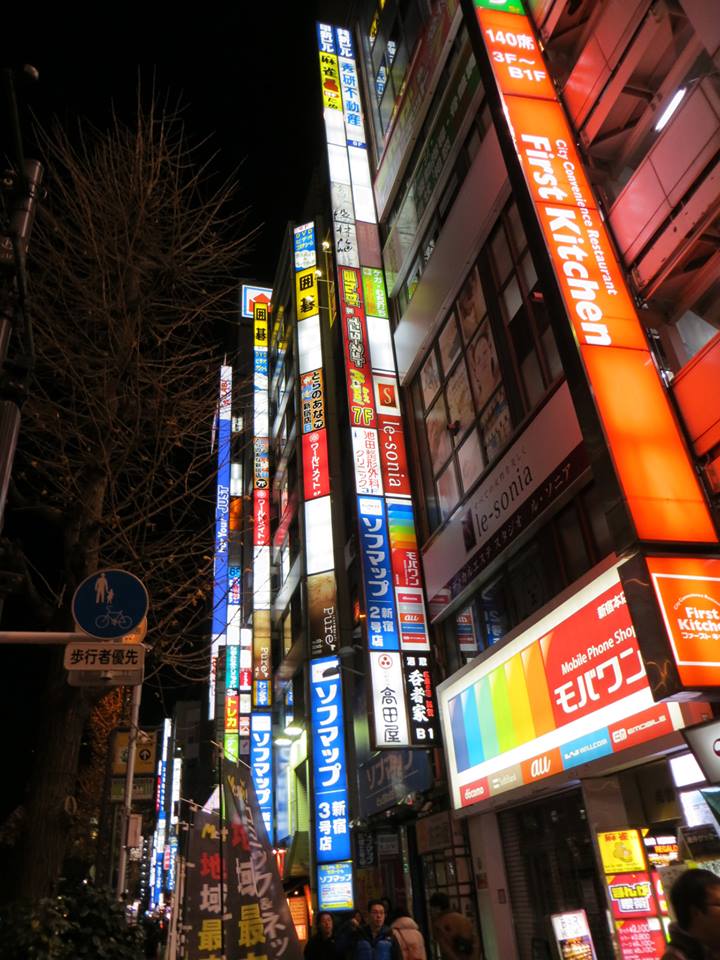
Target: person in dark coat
x=322, y=946
x=695, y=934
x=374, y=940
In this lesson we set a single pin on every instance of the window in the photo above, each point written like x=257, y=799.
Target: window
x=563, y=550
x=492, y=363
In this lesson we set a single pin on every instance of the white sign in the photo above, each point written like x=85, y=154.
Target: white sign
x=704, y=741
x=390, y=716
x=103, y=656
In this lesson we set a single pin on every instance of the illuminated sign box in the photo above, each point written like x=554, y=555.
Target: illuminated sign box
x=565, y=691
x=660, y=488
x=675, y=604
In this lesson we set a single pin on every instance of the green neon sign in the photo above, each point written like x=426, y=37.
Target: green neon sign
x=504, y=6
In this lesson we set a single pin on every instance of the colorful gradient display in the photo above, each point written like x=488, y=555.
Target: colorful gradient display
x=568, y=690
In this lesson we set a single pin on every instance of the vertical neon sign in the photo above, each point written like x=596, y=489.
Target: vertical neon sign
x=394, y=598
x=659, y=485
x=222, y=509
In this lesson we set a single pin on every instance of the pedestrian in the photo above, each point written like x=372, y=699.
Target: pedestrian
x=454, y=933
x=322, y=946
x=373, y=940
x=408, y=935
x=695, y=933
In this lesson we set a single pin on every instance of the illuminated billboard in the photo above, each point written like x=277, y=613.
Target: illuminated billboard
x=332, y=812
x=568, y=690
x=657, y=478
x=222, y=511
x=393, y=596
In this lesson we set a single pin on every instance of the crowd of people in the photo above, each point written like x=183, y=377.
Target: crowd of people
x=393, y=935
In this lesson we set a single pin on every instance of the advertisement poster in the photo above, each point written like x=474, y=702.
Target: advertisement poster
x=641, y=939
x=323, y=614
x=335, y=886
x=572, y=935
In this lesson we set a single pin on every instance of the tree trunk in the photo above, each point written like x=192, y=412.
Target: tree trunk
x=54, y=778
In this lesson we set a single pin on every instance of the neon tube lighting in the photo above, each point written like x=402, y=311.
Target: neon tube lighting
x=670, y=109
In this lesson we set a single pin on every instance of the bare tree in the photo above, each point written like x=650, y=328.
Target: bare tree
x=134, y=266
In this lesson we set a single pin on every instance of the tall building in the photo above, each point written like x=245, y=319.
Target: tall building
x=491, y=444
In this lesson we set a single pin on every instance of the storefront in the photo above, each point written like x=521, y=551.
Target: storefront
x=578, y=786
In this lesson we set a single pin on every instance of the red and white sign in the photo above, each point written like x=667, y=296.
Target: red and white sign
x=412, y=618
x=262, y=518
x=393, y=457
x=316, y=472
x=688, y=594
x=357, y=355
x=641, y=939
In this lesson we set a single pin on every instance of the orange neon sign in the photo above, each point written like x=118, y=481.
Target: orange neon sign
x=688, y=594
x=651, y=461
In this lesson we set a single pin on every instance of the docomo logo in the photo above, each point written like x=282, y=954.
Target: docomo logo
x=473, y=792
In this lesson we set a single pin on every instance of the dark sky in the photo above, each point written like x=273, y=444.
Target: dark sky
x=248, y=74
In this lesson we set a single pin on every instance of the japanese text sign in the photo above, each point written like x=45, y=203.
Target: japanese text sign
x=332, y=831
x=377, y=568
x=660, y=488
x=567, y=690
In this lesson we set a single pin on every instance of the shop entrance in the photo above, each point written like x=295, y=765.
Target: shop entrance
x=551, y=869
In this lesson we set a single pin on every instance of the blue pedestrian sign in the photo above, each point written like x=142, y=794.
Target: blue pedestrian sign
x=110, y=604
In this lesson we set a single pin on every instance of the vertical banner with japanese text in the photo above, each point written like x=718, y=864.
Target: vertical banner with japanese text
x=394, y=601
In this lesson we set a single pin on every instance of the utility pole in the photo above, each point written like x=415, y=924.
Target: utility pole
x=127, y=803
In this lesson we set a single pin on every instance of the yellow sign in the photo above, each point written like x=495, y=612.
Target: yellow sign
x=145, y=759
x=307, y=293
x=260, y=315
x=621, y=851
x=330, y=77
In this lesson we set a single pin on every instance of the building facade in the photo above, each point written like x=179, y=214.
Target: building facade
x=491, y=449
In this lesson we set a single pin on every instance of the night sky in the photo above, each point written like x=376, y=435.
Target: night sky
x=246, y=73
x=248, y=78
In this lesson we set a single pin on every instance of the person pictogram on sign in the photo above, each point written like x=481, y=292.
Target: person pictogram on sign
x=101, y=586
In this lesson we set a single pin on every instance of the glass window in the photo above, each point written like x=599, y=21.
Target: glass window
x=471, y=304
x=429, y=379
x=438, y=438
x=460, y=406
x=483, y=365
x=448, y=492
x=449, y=343
x=470, y=460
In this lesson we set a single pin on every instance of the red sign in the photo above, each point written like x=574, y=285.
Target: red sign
x=517, y=62
x=641, y=939
x=641, y=727
x=245, y=683
x=316, y=472
x=592, y=658
x=262, y=518
x=474, y=792
x=357, y=354
x=660, y=487
x=393, y=457
x=631, y=895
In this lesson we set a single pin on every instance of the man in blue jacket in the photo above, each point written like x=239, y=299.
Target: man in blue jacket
x=374, y=941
